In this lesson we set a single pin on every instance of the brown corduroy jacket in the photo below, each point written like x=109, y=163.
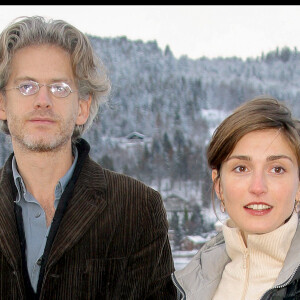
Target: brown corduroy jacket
x=111, y=242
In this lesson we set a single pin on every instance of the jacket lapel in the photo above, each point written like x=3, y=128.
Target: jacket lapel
x=291, y=262
x=84, y=207
x=9, y=238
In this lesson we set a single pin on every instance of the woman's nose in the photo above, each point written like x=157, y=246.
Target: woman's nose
x=258, y=184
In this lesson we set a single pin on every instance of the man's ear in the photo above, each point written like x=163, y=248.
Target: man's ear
x=84, y=110
x=2, y=107
x=216, y=182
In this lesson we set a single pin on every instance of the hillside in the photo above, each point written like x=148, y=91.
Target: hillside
x=175, y=104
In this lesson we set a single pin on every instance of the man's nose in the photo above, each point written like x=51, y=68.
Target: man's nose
x=43, y=98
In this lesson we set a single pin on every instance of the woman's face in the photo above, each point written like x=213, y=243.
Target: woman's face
x=259, y=181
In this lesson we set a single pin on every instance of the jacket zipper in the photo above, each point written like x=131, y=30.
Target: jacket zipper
x=246, y=265
x=279, y=286
x=182, y=295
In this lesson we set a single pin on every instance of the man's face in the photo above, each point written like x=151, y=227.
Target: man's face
x=42, y=122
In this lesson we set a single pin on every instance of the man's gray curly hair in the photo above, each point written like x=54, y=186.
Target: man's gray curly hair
x=89, y=71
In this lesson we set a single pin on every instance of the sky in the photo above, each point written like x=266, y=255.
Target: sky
x=192, y=30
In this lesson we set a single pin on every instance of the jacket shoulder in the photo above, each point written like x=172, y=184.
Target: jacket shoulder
x=127, y=183
x=215, y=241
x=198, y=279
x=94, y=176
x=135, y=196
x=195, y=262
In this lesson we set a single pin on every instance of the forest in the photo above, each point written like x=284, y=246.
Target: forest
x=163, y=110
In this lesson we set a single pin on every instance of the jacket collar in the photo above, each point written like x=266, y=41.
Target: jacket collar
x=203, y=273
x=90, y=174
x=9, y=238
x=84, y=206
x=292, y=261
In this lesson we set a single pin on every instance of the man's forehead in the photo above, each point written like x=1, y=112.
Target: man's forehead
x=44, y=63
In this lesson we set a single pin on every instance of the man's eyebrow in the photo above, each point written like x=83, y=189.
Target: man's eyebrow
x=26, y=78
x=23, y=78
x=61, y=79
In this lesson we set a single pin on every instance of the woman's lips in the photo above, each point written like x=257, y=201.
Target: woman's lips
x=258, y=209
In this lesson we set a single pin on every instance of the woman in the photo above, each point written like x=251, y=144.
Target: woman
x=255, y=159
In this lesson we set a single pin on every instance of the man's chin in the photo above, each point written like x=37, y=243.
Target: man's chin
x=43, y=145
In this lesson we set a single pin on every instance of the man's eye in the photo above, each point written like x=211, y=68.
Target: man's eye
x=26, y=87
x=58, y=88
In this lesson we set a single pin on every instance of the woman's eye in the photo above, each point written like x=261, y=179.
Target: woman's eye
x=240, y=169
x=278, y=170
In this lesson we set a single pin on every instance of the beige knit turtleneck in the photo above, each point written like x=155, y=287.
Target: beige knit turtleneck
x=254, y=269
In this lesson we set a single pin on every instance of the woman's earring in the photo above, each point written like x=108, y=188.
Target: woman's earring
x=296, y=207
x=222, y=206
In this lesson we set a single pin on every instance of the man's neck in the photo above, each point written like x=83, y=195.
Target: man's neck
x=41, y=171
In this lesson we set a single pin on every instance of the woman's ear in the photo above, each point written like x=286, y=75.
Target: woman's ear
x=216, y=182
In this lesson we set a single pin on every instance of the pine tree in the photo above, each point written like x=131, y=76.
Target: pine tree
x=174, y=225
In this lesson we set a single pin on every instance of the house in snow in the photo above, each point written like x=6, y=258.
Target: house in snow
x=191, y=242
x=174, y=203
x=135, y=136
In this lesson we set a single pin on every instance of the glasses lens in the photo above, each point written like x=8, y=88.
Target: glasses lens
x=60, y=89
x=28, y=88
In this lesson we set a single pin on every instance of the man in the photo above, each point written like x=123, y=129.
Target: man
x=68, y=228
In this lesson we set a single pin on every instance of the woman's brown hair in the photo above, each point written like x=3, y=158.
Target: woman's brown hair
x=257, y=114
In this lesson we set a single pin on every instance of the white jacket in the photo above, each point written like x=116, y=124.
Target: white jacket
x=201, y=277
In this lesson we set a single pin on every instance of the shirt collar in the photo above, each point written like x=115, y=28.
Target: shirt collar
x=18, y=180
x=61, y=185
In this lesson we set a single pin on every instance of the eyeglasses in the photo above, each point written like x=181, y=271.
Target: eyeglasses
x=58, y=89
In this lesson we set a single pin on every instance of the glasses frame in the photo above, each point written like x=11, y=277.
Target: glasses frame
x=39, y=85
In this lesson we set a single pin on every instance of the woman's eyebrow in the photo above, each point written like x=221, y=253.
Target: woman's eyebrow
x=240, y=157
x=269, y=158
x=276, y=157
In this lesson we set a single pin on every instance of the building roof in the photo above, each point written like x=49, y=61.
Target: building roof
x=196, y=239
x=176, y=203
x=135, y=135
